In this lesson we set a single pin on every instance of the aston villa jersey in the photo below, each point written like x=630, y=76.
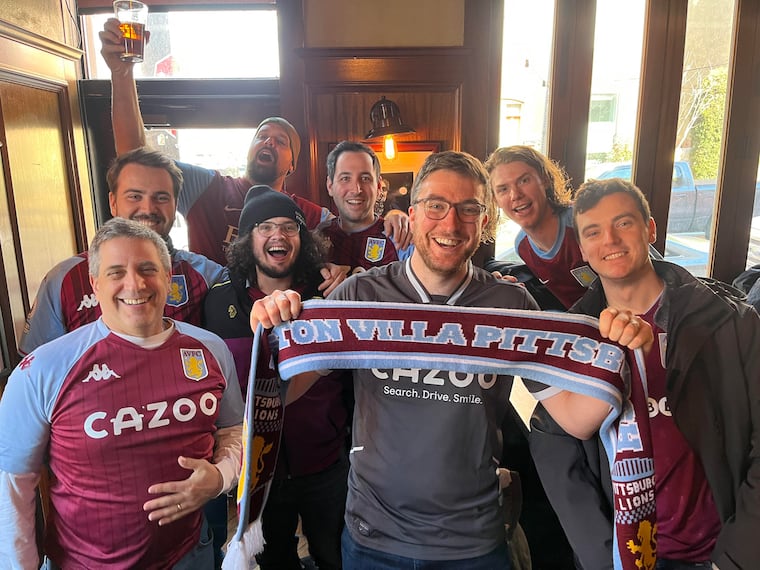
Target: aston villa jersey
x=364, y=249
x=110, y=419
x=212, y=202
x=561, y=269
x=65, y=300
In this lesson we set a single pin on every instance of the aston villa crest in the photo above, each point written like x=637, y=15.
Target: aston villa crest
x=177, y=291
x=374, y=250
x=194, y=363
x=584, y=275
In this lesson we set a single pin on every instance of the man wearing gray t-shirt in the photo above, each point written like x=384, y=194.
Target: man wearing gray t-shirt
x=423, y=485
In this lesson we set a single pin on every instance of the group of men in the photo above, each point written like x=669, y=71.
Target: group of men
x=133, y=464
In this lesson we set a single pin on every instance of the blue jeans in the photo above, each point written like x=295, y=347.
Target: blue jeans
x=357, y=557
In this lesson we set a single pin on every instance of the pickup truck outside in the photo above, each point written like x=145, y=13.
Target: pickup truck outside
x=691, y=202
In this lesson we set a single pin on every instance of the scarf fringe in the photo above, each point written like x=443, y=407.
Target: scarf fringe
x=240, y=553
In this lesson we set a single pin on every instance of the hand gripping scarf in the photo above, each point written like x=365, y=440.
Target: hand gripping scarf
x=558, y=349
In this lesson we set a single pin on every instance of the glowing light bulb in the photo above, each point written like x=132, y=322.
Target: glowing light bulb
x=389, y=146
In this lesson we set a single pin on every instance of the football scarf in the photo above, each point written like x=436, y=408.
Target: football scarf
x=262, y=432
x=557, y=349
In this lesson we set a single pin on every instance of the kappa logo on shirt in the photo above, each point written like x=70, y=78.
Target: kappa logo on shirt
x=88, y=302
x=27, y=362
x=100, y=372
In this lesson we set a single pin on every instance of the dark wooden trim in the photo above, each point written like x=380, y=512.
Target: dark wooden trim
x=75, y=192
x=170, y=88
x=399, y=69
x=100, y=6
x=8, y=341
x=741, y=146
x=293, y=100
x=481, y=83
x=659, y=95
x=570, y=85
x=192, y=103
x=384, y=53
x=416, y=146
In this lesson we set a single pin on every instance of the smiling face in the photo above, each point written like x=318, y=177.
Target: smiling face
x=521, y=194
x=145, y=194
x=444, y=247
x=275, y=255
x=614, y=238
x=354, y=189
x=270, y=158
x=131, y=286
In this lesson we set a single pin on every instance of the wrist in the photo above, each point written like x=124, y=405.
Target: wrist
x=219, y=482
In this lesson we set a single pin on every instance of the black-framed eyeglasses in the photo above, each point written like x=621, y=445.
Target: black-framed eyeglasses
x=437, y=209
x=267, y=229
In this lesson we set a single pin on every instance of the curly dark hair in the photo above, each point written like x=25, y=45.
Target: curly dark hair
x=242, y=264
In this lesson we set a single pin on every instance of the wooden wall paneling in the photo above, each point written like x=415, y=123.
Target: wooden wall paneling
x=741, y=146
x=42, y=194
x=657, y=122
x=465, y=72
x=342, y=85
x=12, y=297
x=46, y=210
x=335, y=115
x=570, y=85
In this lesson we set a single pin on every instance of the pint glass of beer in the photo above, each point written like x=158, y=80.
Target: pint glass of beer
x=133, y=16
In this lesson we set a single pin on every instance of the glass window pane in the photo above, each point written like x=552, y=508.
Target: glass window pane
x=192, y=44
x=700, y=122
x=224, y=150
x=615, y=86
x=526, y=60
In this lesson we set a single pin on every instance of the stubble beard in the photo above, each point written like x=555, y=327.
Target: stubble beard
x=261, y=173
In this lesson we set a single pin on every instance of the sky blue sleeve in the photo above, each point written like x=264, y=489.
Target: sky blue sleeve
x=45, y=321
x=25, y=411
x=195, y=181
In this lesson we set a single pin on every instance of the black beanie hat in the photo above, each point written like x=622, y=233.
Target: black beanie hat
x=263, y=203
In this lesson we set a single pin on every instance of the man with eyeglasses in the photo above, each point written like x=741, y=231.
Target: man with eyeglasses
x=275, y=251
x=423, y=481
x=356, y=239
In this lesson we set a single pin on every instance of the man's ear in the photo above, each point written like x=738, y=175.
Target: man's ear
x=329, y=185
x=652, y=231
x=112, y=203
